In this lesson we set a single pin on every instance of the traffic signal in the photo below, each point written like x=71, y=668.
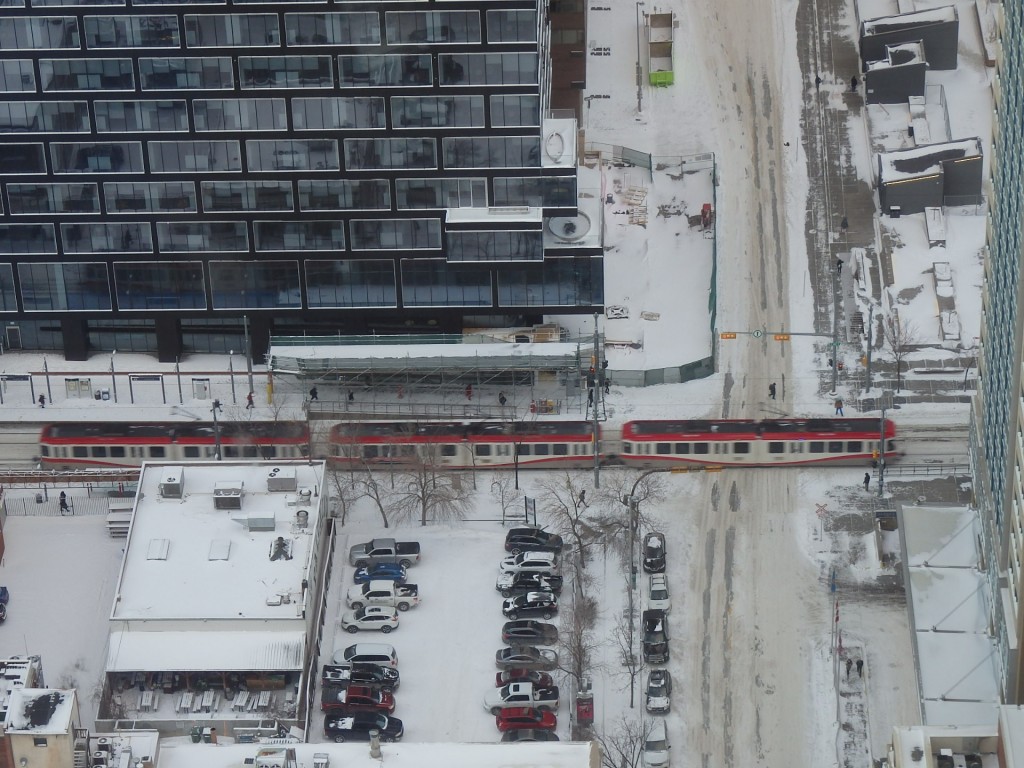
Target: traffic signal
x=782, y=337
x=728, y=335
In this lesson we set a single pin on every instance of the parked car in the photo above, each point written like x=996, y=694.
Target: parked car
x=381, y=592
x=369, y=675
x=659, y=691
x=367, y=653
x=514, y=718
x=5, y=595
x=654, y=552
x=657, y=593
x=372, y=618
x=655, y=637
x=526, y=657
x=381, y=572
x=538, y=678
x=529, y=630
x=526, y=735
x=357, y=727
x=525, y=581
x=521, y=695
x=347, y=699
x=532, y=540
x=537, y=562
x=384, y=551
x=657, y=750
x=543, y=604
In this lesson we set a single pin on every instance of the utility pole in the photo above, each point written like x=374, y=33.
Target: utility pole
x=594, y=396
x=639, y=67
x=881, y=454
x=871, y=325
x=216, y=430
x=836, y=286
x=248, y=351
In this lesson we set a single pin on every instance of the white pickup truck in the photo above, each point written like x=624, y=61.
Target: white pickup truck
x=384, y=593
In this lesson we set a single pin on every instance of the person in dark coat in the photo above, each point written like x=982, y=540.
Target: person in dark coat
x=853, y=83
x=502, y=399
x=63, y=502
x=771, y=390
x=42, y=400
x=849, y=666
x=867, y=480
x=313, y=394
x=860, y=667
x=248, y=401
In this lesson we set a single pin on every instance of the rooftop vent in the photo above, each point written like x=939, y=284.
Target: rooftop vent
x=302, y=518
x=282, y=479
x=260, y=521
x=173, y=484
x=228, y=494
x=158, y=549
x=220, y=549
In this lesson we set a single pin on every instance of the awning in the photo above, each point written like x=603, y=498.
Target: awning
x=206, y=651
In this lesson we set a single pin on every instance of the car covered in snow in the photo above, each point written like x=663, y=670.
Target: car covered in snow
x=657, y=593
x=535, y=562
x=516, y=583
x=359, y=725
x=543, y=604
x=369, y=675
x=385, y=593
x=654, y=552
x=655, y=626
x=659, y=691
x=538, y=678
x=381, y=572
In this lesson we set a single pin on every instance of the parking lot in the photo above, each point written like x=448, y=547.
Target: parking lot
x=446, y=644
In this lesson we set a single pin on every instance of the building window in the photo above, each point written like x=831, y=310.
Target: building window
x=332, y=28
x=142, y=116
x=257, y=72
x=44, y=116
x=38, y=741
x=339, y=113
x=131, y=32
x=154, y=285
x=22, y=159
x=441, y=193
x=16, y=239
x=53, y=198
x=495, y=246
x=134, y=237
x=20, y=33
x=375, y=154
x=437, y=112
x=299, y=235
x=110, y=157
x=349, y=284
x=395, y=234
x=488, y=68
x=384, y=71
x=255, y=284
x=492, y=152
x=511, y=26
x=159, y=196
x=86, y=75
x=432, y=27
x=16, y=76
x=432, y=283
x=345, y=194
x=46, y=287
x=194, y=156
x=240, y=114
x=217, y=30
x=208, y=73
x=515, y=111
x=302, y=155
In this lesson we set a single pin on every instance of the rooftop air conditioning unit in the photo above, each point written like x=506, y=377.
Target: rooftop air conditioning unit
x=173, y=484
x=228, y=494
x=282, y=479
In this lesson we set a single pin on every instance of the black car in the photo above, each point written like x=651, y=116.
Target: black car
x=528, y=734
x=654, y=552
x=532, y=540
x=543, y=604
x=357, y=727
x=526, y=581
x=369, y=675
x=655, y=637
x=528, y=630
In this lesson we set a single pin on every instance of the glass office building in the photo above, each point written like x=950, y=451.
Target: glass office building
x=172, y=167
x=997, y=434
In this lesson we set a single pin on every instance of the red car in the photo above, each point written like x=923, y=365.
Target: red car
x=513, y=718
x=539, y=679
x=355, y=698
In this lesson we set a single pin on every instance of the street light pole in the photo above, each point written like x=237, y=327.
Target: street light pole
x=248, y=351
x=639, y=67
x=881, y=454
x=113, y=378
x=216, y=429
x=595, y=391
x=871, y=325
x=835, y=330
x=231, y=374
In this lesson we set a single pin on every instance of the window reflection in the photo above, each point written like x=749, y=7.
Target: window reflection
x=510, y=26
x=395, y=234
x=197, y=236
x=182, y=73
x=173, y=196
x=192, y=156
x=384, y=70
x=373, y=154
x=44, y=117
x=441, y=193
x=255, y=284
x=16, y=75
x=300, y=235
x=121, y=116
x=536, y=191
x=418, y=27
x=38, y=33
x=27, y=238
x=344, y=194
x=339, y=113
x=22, y=159
x=285, y=72
x=357, y=283
x=492, y=152
x=332, y=28
x=488, y=68
x=8, y=298
x=86, y=74
x=299, y=155
x=53, y=198
x=495, y=246
x=49, y=286
x=240, y=114
x=437, y=111
x=131, y=31
x=112, y=157
x=134, y=237
x=432, y=283
x=247, y=196
x=515, y=111
x=230, y=29
x=553, y=282
x=159, y=285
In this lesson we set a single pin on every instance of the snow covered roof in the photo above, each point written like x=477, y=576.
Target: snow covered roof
x=401, y=755
x=16, y=673
x=926, y=160
x=40, y=710
x=243, y=651
x=228, y=555
x=901, y=55
x=957, y=664
x=884, y=24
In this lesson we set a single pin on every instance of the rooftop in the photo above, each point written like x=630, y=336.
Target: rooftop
x=40, y=711
x=927, y=160
x=232, y=525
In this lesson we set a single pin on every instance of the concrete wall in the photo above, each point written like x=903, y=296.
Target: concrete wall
x=940, y=43
x=963, y=178
x=911, y=195
x=895, y=85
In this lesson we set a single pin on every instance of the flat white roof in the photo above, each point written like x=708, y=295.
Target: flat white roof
x=246, y=651
x=884, y=24
x=189, y=560
x=926, y=160
x=40, y=710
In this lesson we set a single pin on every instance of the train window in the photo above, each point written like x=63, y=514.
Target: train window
x=250, y=451
x=741, y=447
x=80, y=452
x=776, y=447
x=502, y=450
x=663, y=448
x=817, y=447
x=369, y=452
x=682, y=449
x=44, y=450
x=627, y=447
x=99, y=452
x=541, y=449
x=448, y=449
x=157, y=451
x=191, y=451
x=836, y=446
x=854, y=446
x=482, y=450
x=522, y=450
x=796, y=447
x=700, y=447
x=560, y=449
x=117, y=451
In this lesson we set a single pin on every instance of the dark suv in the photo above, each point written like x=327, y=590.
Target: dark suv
x=357, y=727
x=532, y=540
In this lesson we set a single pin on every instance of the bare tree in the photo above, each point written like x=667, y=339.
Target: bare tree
x=613, y=507
x=624, y=746
x=627, y=644
x=565, y=499
x=900, y=338
x=345, y=491
x=504, y=492
x=576, y=641
x=380, y=495
x=433, y=494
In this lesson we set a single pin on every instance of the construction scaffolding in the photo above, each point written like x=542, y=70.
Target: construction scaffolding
x=399, y=366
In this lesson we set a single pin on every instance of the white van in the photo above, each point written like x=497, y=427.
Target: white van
x=656, y=746
x=381, y=654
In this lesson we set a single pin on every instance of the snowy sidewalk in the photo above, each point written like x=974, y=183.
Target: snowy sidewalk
x=852, y=740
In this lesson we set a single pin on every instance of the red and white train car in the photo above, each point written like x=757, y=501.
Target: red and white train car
x=749, y=443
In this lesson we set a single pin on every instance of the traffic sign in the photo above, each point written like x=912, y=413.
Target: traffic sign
x=757, y=333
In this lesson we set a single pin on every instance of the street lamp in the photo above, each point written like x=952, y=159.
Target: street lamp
x=231, y=374
x=639, y=67
x=216, y=429
x=113, y=378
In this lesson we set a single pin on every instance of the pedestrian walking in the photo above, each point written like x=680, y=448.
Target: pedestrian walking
x=351, y=396
x=607, y=385
x=313, y=394
x=42, y=400
x=849, y=666
x=867, y=480
x=401, y=392
x=502, y=399
x=839, y=407
x=63, y=502
x=853, y=83
x=844, y=225
x=817, y=81
x=469, y=391
x=590, y=396
x=248, y=401
x=839, y=267
x=771, y=390
x=583, y=498
x=860, y=667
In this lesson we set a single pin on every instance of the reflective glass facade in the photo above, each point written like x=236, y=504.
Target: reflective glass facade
x=170, y=166
x=997, y=437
